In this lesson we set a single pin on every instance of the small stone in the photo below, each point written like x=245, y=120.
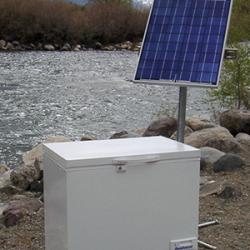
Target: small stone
x=229, y=193
x=9, y=46
x=2, y=44
x=244, y=140
x=41, y=198
x=211, y=187
x=39, y=46
x=109, y=48
x=5, y=179
x=49, y=47
x=3, y=169
x=87, y=138
x=18, y=197
x=10, y=190
x=126, y=45
x=228, y=162
x=209, y=156
x=123, y=134
x=203, y=164
x=33, y=46
x=66, y=47
x=16, y=43
x=98, y=45
x=77, y=48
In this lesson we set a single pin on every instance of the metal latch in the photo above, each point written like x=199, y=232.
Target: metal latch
x=121, y=163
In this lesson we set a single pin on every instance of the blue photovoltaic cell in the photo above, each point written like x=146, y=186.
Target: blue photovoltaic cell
x=184, y=41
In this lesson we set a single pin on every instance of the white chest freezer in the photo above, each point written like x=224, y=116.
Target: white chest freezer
x=123, y=194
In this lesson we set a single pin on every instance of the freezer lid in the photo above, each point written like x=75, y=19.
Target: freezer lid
x=104, y=152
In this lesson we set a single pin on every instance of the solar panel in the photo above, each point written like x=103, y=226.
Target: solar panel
x=184, y=42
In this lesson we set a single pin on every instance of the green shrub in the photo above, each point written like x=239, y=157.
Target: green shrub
x=234, y=85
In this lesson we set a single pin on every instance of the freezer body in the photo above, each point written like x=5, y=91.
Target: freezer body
x=132, y=203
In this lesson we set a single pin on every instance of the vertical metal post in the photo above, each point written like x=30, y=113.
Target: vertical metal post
x=182, y=114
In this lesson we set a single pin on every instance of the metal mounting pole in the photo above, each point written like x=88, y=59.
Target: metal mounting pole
x=182, y=114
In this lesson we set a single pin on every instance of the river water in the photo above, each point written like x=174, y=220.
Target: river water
x=75, y=94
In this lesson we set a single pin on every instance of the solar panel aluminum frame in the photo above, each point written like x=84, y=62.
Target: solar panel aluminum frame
x=182, y=83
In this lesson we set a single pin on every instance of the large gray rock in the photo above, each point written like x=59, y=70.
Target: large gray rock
x=201, y=138
x=236, y=121
x=23, y=176
x=66, y=47
x=227, y=145
x=209, y=156
x=18, y=209
x=217, y=137
x=199, y=123
x=49, y=47
x=228, y=162
x=164, y=126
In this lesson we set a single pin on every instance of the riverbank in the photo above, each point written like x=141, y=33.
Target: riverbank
x=224, y=183
x=27, y=24
x=15, y=46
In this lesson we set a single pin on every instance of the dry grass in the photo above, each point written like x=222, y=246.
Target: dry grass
x=33, y=21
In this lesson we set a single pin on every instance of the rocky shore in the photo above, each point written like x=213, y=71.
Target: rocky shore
x=17, y=46
x=224, y=183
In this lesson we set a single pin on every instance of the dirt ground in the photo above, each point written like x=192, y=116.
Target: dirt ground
x=233, y=214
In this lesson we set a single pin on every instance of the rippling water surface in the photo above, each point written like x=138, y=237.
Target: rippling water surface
x=74, y=94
